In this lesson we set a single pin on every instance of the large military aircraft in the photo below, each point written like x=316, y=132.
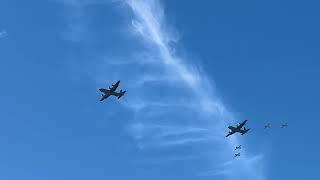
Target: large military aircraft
x=238, y=147
x=238, y=129
x=111, y=91
x=284, y=125
x=236, y=155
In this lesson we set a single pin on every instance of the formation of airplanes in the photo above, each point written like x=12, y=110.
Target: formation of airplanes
x=237, y=148
x=268, y=126
x=239, y=128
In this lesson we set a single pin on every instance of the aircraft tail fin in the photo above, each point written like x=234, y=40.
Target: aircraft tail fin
x=121, y=94
x=244, y=131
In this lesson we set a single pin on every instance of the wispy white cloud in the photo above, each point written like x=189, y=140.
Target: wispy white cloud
x=152, y=135
x=183, y=141
x=149, y=24
x=170, y=159
x=247, y=168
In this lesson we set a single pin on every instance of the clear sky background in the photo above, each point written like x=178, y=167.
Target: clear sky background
x=190, y=69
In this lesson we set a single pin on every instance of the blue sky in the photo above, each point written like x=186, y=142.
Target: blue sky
x=190, y=69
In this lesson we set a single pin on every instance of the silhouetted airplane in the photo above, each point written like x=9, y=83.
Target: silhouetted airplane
x=111, y=91
x=238, y=147
x=284, y=125
x=267, y=126
x=238, y=129
x=237, y=155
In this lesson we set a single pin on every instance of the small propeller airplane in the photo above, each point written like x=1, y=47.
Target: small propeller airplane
x=111, y=91
x=284, y=125
x=236, y=155
x=237, y=147
x=267, y=126
x=238, y=129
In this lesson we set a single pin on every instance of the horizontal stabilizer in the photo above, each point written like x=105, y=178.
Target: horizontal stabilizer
x=121, y=93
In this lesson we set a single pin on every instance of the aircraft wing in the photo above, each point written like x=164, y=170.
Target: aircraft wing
x=103, y=97
x=114, y=86
x=103, y=90
x=230, y=133
x=241, y=124
x=244, y=131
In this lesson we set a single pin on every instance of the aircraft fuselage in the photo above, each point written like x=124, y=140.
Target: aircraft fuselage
x=238, y=129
